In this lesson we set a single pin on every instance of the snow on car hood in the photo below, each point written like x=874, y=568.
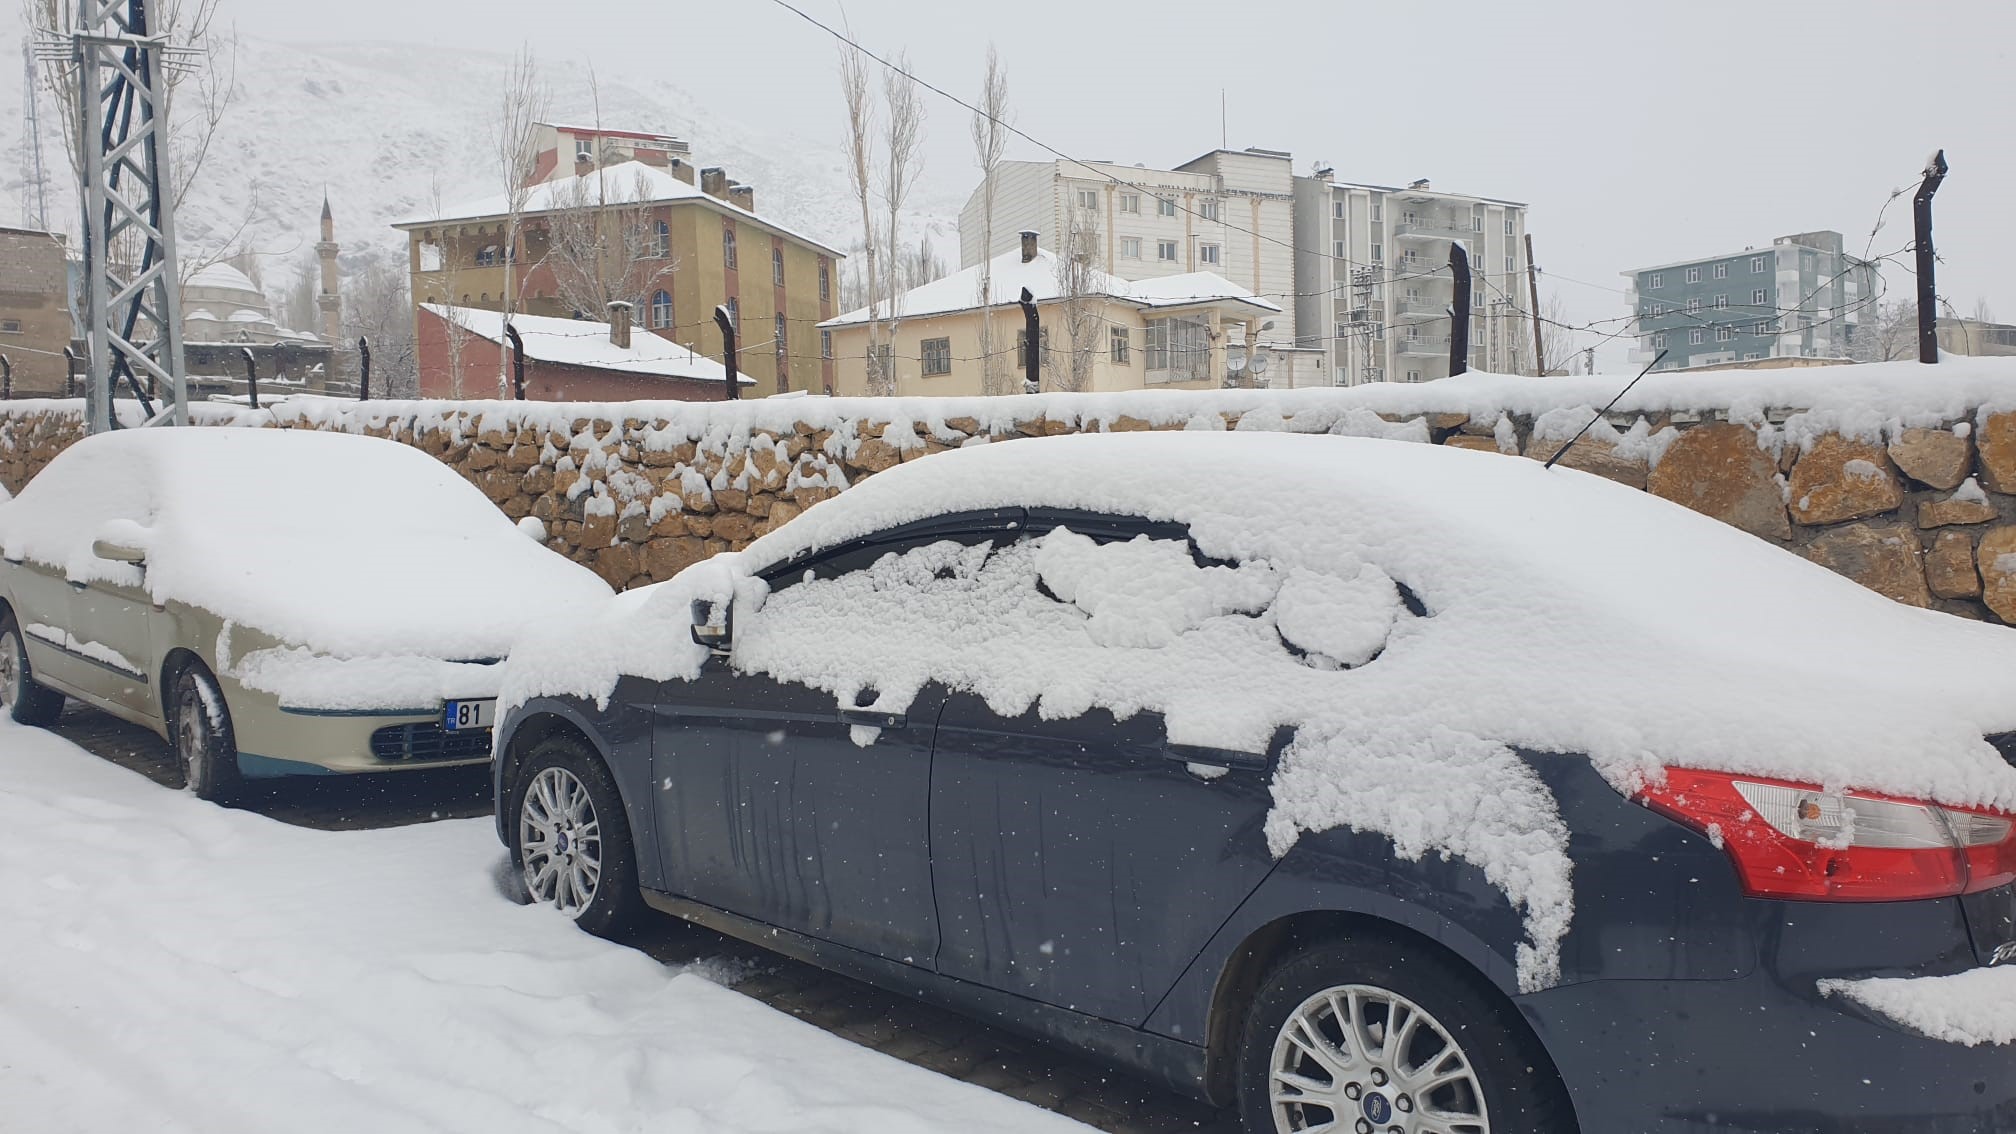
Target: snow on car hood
x=351, y=546
x=1561, y=612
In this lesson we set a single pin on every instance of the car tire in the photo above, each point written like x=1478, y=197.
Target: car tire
x=27, y=702
x=570, y=837
x=1293, y=1045
x=199, y=727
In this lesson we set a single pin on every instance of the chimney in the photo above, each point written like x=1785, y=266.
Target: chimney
x=1421, y=184
x=1325, y=173
x=744, y=196
x=682, y=170
x=584, y=162
x=1028, y=245
x=714, y=182
x=619, y=324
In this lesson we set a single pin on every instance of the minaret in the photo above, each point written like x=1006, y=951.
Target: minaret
x=328, y=300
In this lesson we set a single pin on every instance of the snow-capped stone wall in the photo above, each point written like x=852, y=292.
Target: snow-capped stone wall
x=1908, y=487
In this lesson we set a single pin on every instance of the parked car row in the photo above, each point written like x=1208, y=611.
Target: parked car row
x=1357, y=785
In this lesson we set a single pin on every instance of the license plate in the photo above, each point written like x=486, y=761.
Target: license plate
x=459, y=716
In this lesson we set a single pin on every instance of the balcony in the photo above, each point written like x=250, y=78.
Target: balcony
x=1435, y=345
x=1420, y=267
x=1419, y=307
x=1435, y=228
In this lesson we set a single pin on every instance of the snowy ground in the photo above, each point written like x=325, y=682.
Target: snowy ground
x=166, y=965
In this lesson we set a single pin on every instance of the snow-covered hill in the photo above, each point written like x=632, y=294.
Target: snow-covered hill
x=382, y=127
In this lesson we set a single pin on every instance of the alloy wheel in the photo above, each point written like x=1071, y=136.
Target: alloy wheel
x=560, y=841
x=192, y=738
x=10, y=669
x=1367, y=1060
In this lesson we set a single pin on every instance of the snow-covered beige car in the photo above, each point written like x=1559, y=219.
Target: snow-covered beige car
x=273, y=602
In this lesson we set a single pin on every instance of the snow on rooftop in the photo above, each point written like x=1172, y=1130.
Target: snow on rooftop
x=222, y=276
x=584, y=342
x=623, y=183
x=1010, y=274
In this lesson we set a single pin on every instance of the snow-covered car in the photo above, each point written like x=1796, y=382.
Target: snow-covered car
x=272, y=601
x=1367, y=785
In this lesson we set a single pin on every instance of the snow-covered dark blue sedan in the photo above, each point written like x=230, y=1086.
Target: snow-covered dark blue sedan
x=1363, y=785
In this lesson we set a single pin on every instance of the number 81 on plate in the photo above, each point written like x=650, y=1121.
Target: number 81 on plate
x=458, y=716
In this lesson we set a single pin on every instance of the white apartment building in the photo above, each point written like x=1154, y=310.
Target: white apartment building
x=1373, y=282
x=1230, y=212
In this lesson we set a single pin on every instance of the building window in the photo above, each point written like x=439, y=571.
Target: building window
x=1476, y=223
x=1721, y=303
x=734, y=313
x=1659, y=341
x=1122, y=347
x=661, y=309
x=937, y=356
x=1695, y=336
x=661, y=241
x=1693, y=275
x=1337, y=249
x=1130, y=247
x=10, y=326
x=1724, y=334
x=1088, y=199
x=1757, y=298
x=1694, y=304
x=777, y=266
x=1413, y=375
x=1208, y=209
x=1165, y=206
x=1753, y=355
x=728, y=245
x=1756, y=263
x=1022, y=350
x=1508, y=263
x=1207, y=253
x=1337, y=209
x=1376, y=210
x=1763, y=327
x=1721, y=271
x=1182, y=347
x=825, y=344
x=486, y=256
x=782, y=348
x=1378, y=254
x=825, y=281
x=1657, y=280
x=1165, y=250
x=1508, y=226
x=1130, y=202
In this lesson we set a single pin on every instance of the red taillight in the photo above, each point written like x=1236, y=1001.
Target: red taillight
x=1797, y=841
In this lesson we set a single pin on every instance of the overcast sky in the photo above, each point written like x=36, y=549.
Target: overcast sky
x=1638, y=132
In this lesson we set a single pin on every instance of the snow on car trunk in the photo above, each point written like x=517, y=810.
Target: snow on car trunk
x=351, y=546
x=1558, y=612
x=174, y=967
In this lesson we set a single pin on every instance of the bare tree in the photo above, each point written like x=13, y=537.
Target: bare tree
x=524, y=103
x=990, y=141
x=1886, y=332
x=441, y=269
x=1555, y=337
x=380, y=311
x=902, y=142
x=860, y=157
x=1982, y=312
x=1083, y=289
x=603, y=240
x=297, y=306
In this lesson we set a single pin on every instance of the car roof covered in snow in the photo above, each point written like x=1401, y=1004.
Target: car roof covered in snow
x=351, y=545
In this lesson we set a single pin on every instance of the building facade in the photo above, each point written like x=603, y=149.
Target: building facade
x=35, y=319
x=677, y=246
x=1229, y=212
x=1374, y=286
x=1976, y=337
x=1802, y=297
x=1182, y=332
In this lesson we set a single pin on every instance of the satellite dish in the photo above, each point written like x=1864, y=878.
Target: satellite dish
x=1236, y=363
x=1259, y=362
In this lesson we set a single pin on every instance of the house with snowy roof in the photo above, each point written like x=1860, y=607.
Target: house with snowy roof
x=1098, y=331
x=461, y=351
x=636, y=222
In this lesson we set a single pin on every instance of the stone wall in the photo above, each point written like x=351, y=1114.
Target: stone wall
x=1923, y=512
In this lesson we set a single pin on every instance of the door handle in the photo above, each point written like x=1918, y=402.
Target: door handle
x=872, y=719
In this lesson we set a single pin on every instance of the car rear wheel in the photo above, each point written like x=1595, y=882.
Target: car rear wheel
x=1367, y=1035
x=26, y=702
x=200, y=727
x=572, y=839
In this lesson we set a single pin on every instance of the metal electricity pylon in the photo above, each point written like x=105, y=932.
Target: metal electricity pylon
x=34, y=175
x=132, y=292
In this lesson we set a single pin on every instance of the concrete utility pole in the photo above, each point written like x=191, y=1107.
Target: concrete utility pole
x=726, y=322
x=132, y=285
x=1032, y=351
x=1533, y=297
x=1928, y=295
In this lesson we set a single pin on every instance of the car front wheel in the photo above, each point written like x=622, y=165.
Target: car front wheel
x=27, y=702
x=1369, y=1035
x=572, y=839
x=205, y=746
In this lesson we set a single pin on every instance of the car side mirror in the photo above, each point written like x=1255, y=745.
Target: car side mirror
x=117, y=552
x=716, y=636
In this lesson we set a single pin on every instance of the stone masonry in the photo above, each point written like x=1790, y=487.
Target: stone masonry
x=1924, y=515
